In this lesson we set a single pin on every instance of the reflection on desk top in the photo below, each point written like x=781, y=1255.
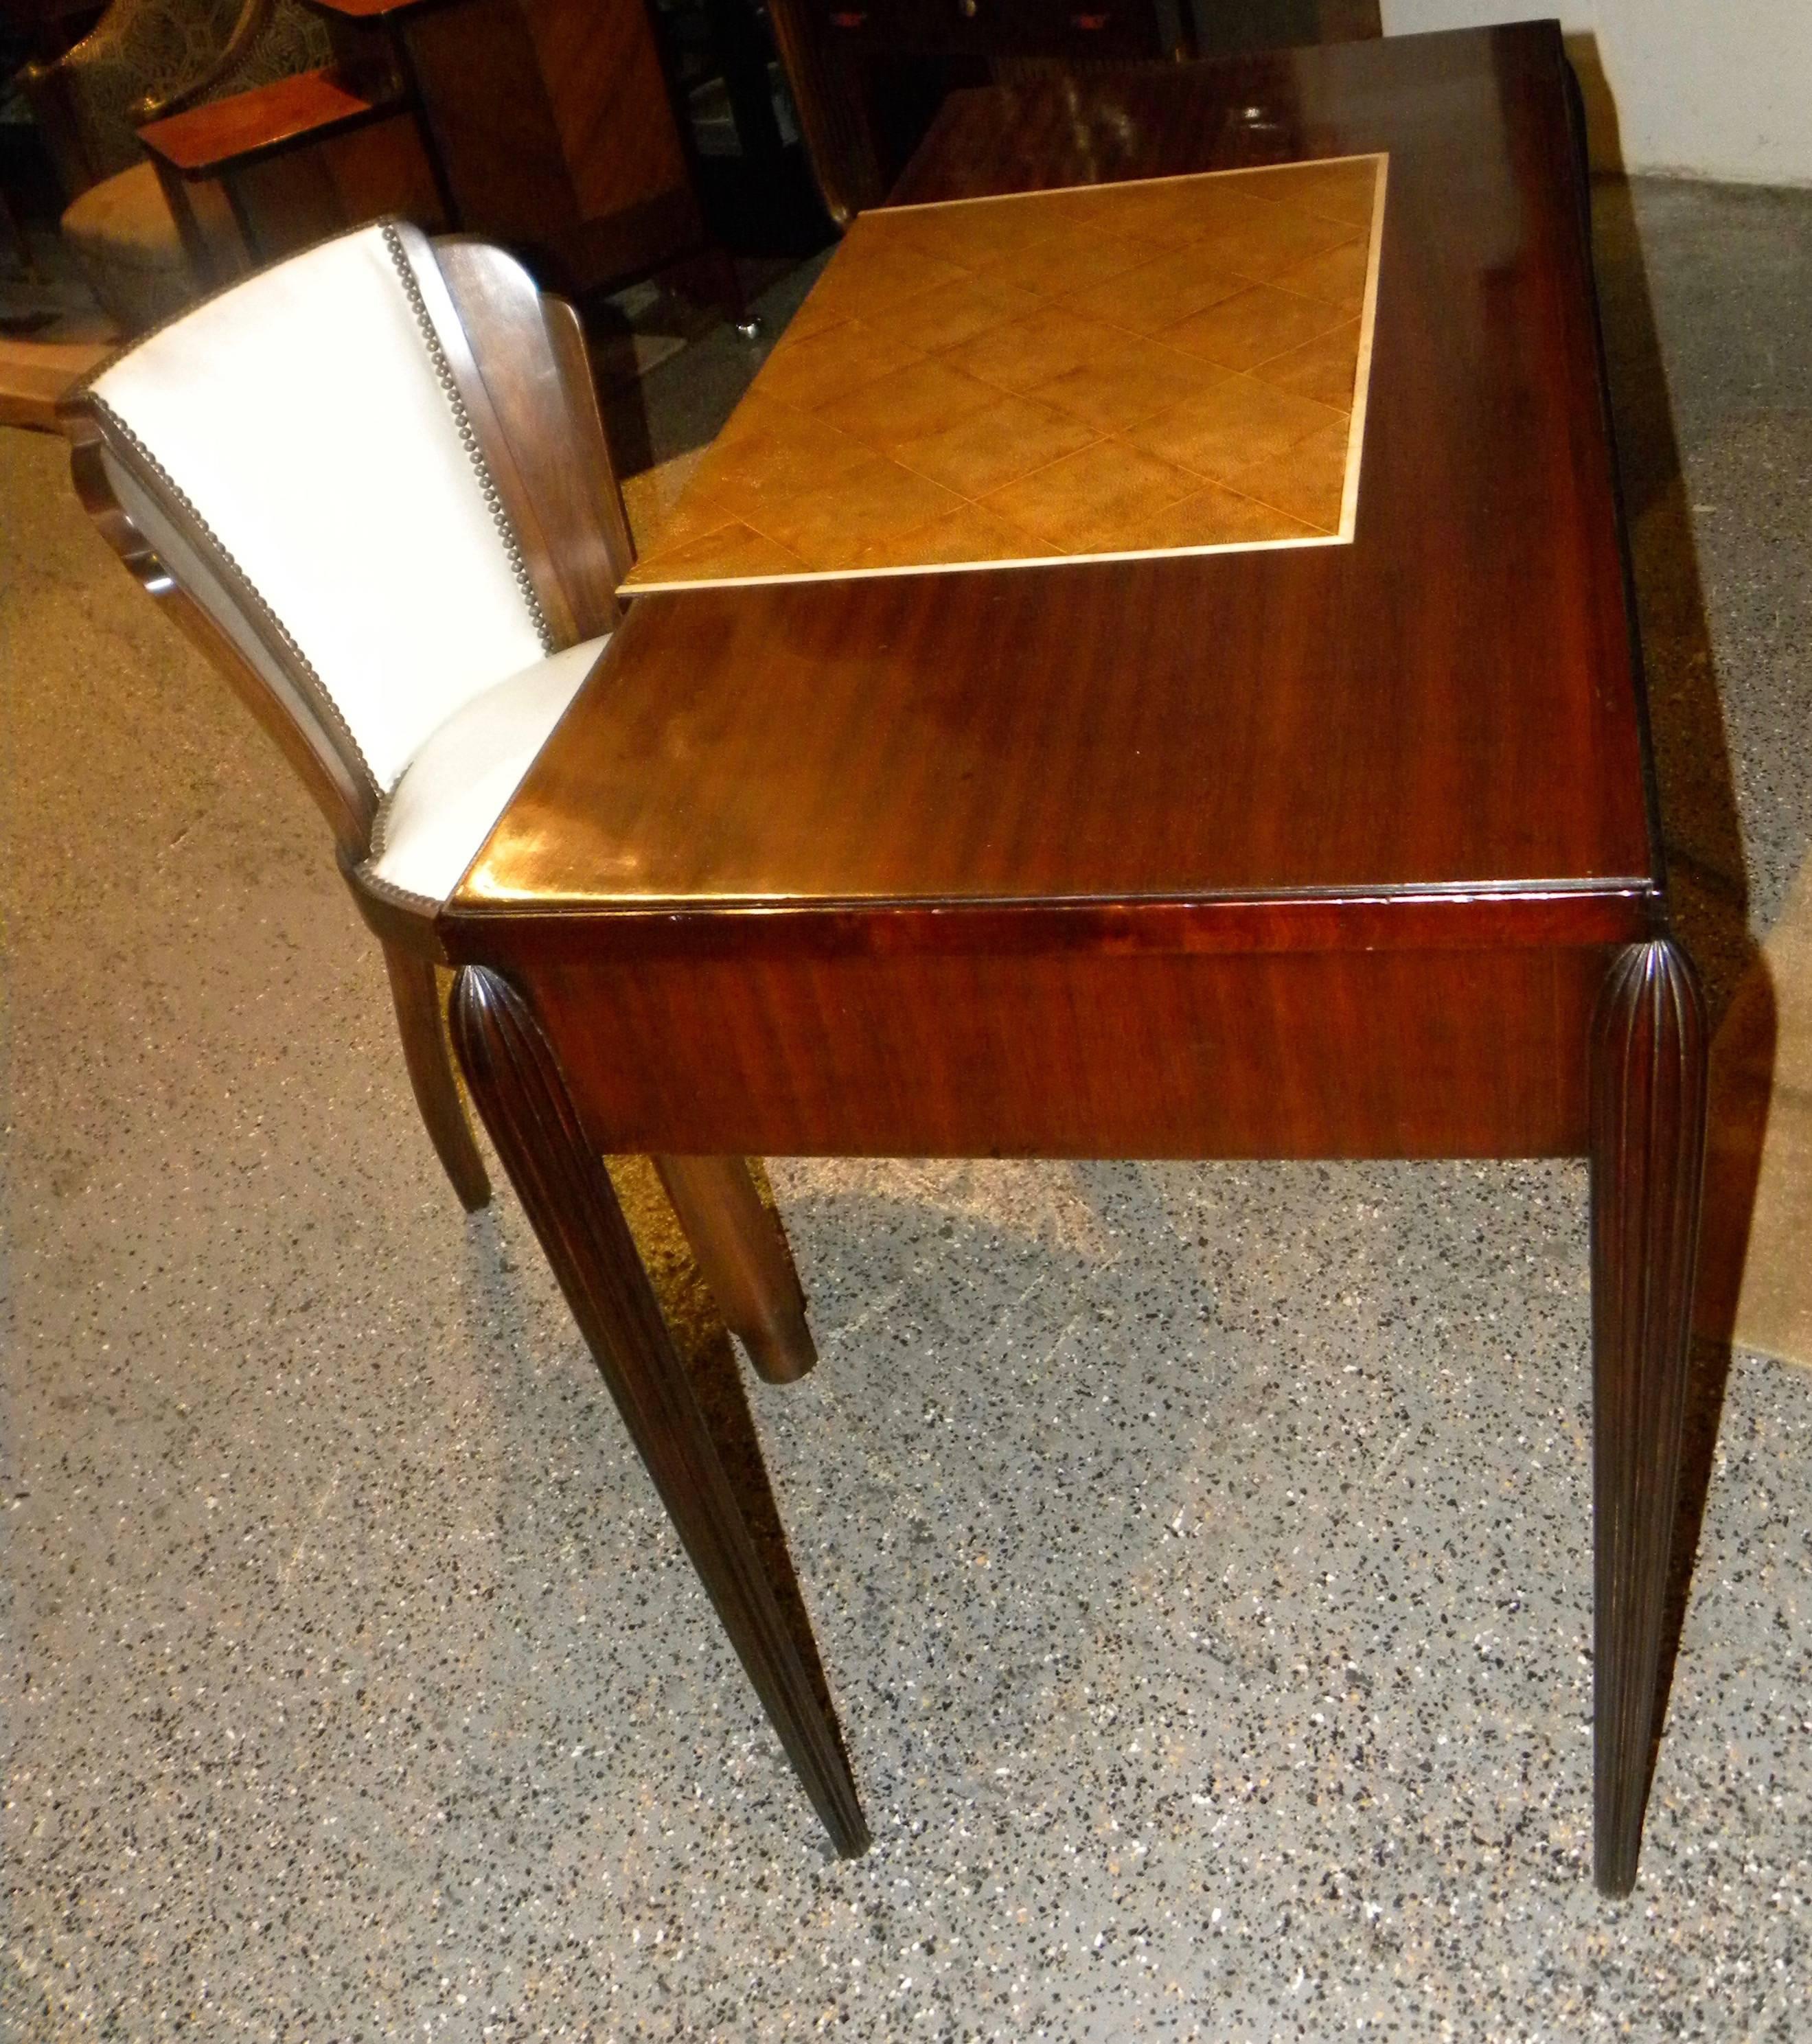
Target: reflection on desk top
x=1159, y=366
x=1448, y=702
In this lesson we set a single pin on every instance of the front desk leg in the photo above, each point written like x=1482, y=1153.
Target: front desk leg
x=516, y=1083
x=1647, y=1154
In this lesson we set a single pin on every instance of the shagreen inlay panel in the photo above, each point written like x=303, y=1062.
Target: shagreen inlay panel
x=1175, y=365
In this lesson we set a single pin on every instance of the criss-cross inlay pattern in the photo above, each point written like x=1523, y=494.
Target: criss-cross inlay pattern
x=1166, y=365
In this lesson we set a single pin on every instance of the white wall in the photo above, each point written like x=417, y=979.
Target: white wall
x=1710, y=88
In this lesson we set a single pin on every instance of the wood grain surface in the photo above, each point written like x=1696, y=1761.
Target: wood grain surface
x=1448, y=705
x=309, y=106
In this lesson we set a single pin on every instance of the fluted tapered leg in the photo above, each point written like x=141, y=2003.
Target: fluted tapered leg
x=517, y=1085
x=1649, y=1059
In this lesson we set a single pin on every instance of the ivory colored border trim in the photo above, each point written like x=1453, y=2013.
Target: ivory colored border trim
x=1362, y=373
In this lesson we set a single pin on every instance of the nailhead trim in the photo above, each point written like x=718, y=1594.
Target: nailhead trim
x=134, y=342
x=468, y=438
x=324, y=705
x=388, y=890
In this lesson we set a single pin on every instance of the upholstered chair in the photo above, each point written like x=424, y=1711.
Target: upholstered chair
x=371, y=483
x=143, y=60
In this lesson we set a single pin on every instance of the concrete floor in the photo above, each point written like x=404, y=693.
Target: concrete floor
x=1199, y=1554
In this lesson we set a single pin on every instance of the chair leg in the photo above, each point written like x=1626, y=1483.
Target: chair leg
x=415, y=991
x=742, y=1251
x=1648, y=1152
x=519, y=1089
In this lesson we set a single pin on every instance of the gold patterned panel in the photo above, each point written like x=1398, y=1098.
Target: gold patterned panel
x=1177, y=365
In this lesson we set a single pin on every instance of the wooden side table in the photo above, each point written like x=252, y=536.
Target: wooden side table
x=264, y=173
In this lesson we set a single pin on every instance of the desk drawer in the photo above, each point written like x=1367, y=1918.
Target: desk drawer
x=1002, y=27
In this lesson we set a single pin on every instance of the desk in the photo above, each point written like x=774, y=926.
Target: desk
x=1340, y=848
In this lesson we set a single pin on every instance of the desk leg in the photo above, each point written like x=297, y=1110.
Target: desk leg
x=520, y=1090
x=746, y=1259
x=1648, y=1153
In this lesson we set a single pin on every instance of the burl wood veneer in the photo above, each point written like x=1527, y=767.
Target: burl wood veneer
x=1171, y=365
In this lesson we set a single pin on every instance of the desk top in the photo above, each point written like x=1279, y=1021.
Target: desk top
x=1448, y=706
x=1159, y=366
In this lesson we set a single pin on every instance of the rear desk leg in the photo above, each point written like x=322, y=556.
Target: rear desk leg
x=517, y=1085
x=1648, y=1153
x=746, y=1260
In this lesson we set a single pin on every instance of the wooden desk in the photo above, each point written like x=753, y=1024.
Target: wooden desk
x=1340, y=849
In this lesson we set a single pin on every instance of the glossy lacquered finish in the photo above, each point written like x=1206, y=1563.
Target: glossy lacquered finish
x=1648, y=1156
x=1447, y=702
x=846, y=59
x=980, y=832
x=1059, y=1050
x=1331, y=851
x=312, y=103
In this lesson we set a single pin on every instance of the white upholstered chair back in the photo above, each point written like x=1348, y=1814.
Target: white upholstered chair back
x=353, y=545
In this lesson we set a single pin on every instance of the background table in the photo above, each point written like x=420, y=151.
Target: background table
x=1337, y=850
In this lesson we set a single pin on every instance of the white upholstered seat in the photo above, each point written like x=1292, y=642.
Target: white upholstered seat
x=432, y=822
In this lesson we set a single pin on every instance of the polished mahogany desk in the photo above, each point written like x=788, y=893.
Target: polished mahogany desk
x=1335, y=837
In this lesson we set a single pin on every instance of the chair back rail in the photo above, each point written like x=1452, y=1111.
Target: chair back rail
x=531, y=353
x=519, y=502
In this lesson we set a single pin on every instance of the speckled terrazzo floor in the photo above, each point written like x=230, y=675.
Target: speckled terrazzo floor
x=1199, y=1554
